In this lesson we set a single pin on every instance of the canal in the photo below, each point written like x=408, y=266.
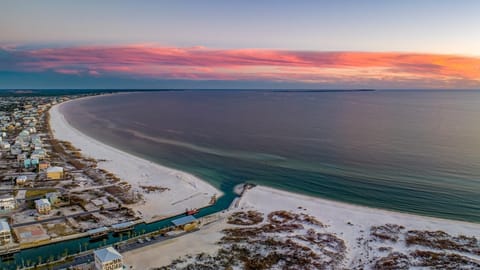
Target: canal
x=55, y=251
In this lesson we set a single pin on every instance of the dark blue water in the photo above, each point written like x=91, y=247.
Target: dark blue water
x=411, y=151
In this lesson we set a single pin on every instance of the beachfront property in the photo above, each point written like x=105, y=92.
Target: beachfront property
x=186, y=224
x=43, y=206
x=43, y=165
x=5, y=232
x=7, y=202
x=21, y=180
x=54, y=173
x=4, y=145
x=108, y=259
x=123, y=227
x=53, y=197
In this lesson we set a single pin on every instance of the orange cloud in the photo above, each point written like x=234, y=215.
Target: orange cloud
x=199, y=63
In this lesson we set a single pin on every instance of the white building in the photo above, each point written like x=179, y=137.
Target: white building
x=5, y=233
x=54, y=173
x=7, y=202
x=43, y=206
x=4, y=145
x=108, y=259
x=20, y=180
x=53, y=197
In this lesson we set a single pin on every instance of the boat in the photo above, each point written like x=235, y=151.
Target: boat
x=192, y=211
x=123, y=227
x=98, y=233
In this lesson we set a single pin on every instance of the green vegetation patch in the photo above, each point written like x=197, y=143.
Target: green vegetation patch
x=34, y=193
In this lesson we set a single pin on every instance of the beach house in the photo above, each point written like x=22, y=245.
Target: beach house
x=54, y=173
x=43, y=206
x=108, y=259
x=4, y=145
x=7, y=202
x=53, y=197
x=20, y=180
x=5, y=232
x=42, y=165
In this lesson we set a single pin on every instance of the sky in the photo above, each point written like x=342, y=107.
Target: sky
x=427, y=44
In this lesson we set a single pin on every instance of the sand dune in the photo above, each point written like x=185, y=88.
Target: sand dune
x=348, y=222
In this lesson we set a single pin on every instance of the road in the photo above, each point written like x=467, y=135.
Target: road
x=62, y=217
x=123, y=248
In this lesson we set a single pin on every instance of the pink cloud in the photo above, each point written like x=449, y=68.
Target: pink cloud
x=200, y=63
x=67, y=71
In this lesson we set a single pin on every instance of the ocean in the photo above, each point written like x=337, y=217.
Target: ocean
x=405, y=150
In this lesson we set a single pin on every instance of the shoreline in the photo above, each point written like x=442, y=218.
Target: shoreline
x=351, y=223
x=362, y=208
x=219, y=193
x=89, y=140
x=185, y=191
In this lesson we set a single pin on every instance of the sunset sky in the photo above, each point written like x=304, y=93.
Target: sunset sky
x=240, y=44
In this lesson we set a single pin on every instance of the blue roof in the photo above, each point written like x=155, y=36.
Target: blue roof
x=123, y=225
x=107, y=254
x=98, y=230
x=183, y=220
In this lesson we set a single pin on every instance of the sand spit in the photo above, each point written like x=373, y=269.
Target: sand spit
x=362, y=237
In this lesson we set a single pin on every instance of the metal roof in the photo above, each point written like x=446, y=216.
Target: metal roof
x=123, y=225
x=97, y=230
x=42, y=202
x=4, y=226
x=183, y=220
x=107, y=254
x=55, y=169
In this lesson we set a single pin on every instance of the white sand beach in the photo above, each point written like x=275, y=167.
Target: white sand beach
x=348, y=222
x=184, y=190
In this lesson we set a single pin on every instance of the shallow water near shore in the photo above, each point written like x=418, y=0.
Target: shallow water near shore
x=410, y=151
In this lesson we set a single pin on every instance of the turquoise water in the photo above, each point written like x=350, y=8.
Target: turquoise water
x=410, y=151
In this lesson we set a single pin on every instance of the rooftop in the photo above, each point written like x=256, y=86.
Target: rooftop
x=107, y=254
x=4, y=225
x=41, y=202
x=55, y=169
x=97, y=230
x=123, y=225
x=183, y=220
x=6, y=196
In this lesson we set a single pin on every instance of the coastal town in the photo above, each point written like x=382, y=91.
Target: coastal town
x=51, y=193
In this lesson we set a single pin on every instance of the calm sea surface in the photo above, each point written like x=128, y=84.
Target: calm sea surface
x=412, y=151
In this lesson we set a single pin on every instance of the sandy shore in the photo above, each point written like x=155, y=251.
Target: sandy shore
x=185, y=190
x=349, y=222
